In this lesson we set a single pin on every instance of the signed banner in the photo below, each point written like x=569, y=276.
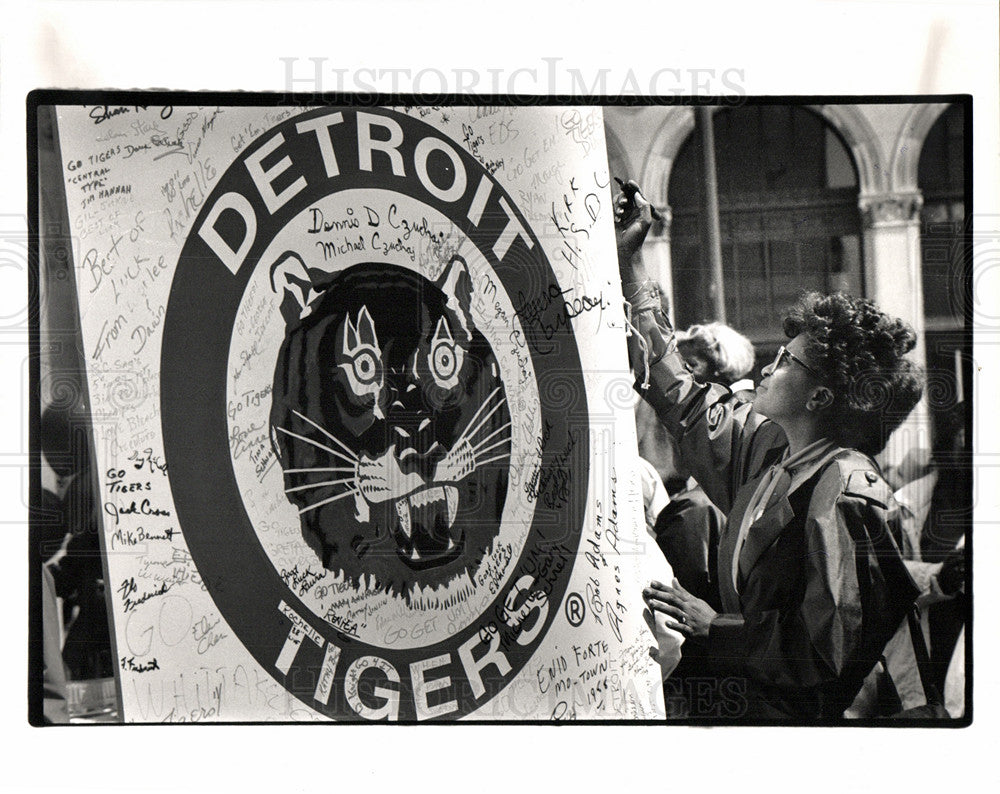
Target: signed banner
x=362, y=413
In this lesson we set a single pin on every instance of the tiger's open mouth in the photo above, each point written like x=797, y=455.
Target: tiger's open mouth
x=425, y=529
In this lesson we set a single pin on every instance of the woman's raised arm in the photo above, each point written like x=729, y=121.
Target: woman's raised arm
x=723, y=442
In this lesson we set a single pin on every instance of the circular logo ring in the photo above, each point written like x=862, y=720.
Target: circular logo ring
x=282, y=173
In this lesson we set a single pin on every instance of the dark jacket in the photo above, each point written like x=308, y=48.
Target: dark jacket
x=687, y=531
x=821, y=583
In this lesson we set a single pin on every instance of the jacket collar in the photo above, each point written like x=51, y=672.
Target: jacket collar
x=796, y=471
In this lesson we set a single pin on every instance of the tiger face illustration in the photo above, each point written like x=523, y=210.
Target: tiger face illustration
x=390, y=421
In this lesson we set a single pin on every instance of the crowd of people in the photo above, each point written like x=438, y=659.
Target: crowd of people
x=798, y=572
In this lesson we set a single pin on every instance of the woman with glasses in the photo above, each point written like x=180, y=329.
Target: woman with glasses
x=810, y=580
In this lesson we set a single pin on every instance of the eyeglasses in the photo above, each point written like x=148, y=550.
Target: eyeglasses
x=784, y=352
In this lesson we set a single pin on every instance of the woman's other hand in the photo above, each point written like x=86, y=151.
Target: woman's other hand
x=687, y=614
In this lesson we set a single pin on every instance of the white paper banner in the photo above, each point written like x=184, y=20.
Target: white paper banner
x=362, y=412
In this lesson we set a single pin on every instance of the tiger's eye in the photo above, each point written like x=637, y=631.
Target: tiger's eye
x=444, y=361
x=364, y=367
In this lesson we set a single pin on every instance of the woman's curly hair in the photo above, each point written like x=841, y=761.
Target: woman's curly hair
x=860, y=350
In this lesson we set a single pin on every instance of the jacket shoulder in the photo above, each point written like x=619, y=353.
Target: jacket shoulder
x=860, y=478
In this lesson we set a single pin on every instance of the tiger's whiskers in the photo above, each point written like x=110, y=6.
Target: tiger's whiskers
x=492, y=460
x=470, y=431
x=342, y=469
x=307, y=486
x=328, y=434
x=498, y=430
x=327, y=501
x=481, y=449
x=316, y=444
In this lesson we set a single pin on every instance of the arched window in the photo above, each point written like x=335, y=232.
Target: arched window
x=789, y=218
x=944, y=252
x=941, y=178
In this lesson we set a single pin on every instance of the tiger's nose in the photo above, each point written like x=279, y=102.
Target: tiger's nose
x=412, y=459
x=406, y=399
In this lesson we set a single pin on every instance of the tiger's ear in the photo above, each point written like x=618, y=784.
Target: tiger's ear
x=456, y=283
x=366, y=329
x=289, y=274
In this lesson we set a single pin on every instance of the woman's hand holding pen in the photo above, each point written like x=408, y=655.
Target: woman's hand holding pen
x=633, y=217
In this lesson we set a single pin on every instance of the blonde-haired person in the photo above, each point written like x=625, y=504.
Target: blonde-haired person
x=713, y=353
x=716, y=353
x=689, y=527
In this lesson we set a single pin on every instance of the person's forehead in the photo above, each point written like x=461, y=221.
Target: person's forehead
x=797, y=346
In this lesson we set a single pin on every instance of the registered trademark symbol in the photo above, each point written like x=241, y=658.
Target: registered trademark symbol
x=575, y=609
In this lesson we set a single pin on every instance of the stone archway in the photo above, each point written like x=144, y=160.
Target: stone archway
x=864, y=144
x=909, y=144
x=861, y=141
x=654, y=177
x=663, y=149
x=859, y=135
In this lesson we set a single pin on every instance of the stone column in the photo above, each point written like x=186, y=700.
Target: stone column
x=892, y=259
